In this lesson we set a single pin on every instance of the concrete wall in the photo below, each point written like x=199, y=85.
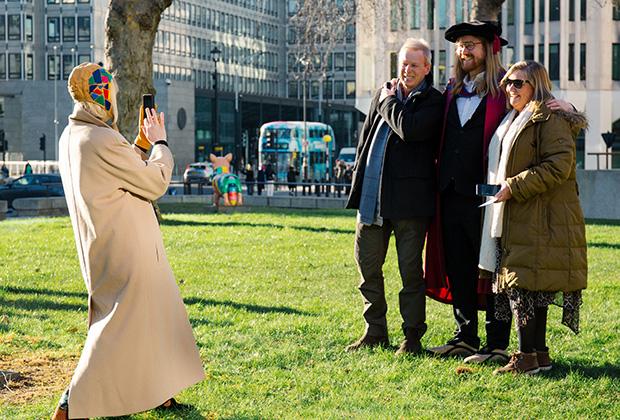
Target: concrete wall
x=599, y=192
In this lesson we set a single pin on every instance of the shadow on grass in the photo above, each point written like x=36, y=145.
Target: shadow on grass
x=32, y=304
x=245, y=306
x=176, y=222
x=587, y=370
x=603, y=222
x=199, y=208
x=28, y=290
x=187, y=412
x=603, y=245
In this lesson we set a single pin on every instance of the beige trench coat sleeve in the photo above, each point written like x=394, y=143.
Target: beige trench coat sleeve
x=148, y=179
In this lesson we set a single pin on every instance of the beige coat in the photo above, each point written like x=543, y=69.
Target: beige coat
x=140, y=349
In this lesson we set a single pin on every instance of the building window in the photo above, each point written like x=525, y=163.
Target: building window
x=582, y=68
x=53, y=29
x=350, y=89
x=339, y=89
x=67, y=65
x=510, y=9
x=430, y=13
x=554, y=61
x=541, y=10
x=314, y=89
x=541, y=54
x=583, y=10
x=338, y=61
x=15, y=66
x=529, y=11
x=442, y=67
x=528, y=52
x=328, y=89
x=83, y=28
x=68, y=29
x=293, y=89
x=616, y=12
x=53, y=66
x=395, y=15
x=393, y=65
x=53, y=1
x=554, y=10
x=2, y=66
x=2, y=28
x=84, y=1
x=615, y=62
x=414, y=10
x=28, y=31
x=350, y=61
x=29, y=67
x=571, y=10
x=83, y=58
x=68, y=1
x=15, y=28
x=442, y=14
x=571, y=61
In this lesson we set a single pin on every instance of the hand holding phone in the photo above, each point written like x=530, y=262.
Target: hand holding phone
x=487, y=190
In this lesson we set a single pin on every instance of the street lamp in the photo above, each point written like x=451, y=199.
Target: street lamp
x=56, y=68
x=304, y=139
x=215, y=56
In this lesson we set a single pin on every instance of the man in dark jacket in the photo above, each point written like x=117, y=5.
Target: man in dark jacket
x=393, y=189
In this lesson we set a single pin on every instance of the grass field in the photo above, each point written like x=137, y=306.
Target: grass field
x=273, y=300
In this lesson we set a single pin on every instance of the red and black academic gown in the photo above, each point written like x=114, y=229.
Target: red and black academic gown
x=437, y=281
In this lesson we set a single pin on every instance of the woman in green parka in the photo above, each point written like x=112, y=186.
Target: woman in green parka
x=533, y=235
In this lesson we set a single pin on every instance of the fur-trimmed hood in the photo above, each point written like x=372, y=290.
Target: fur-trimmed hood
x=576, y=119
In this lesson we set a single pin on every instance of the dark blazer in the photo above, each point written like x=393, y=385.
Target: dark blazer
x=408, y=184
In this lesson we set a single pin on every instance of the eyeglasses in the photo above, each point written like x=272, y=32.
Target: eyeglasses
x=469, y=45
x=517, y=83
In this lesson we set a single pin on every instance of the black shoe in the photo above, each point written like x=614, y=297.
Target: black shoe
x=369, y=341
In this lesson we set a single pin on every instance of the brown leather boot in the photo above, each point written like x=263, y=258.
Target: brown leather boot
x=544, y=361
x=520, y=363
x=368, y=341
x=411, y=344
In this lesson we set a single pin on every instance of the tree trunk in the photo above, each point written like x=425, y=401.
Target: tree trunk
x=131, y=26
x=486, y=9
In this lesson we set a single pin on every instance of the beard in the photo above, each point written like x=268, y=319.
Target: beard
x=471, y=63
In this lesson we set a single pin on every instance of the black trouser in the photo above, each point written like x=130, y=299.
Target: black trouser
x=532, y=336
x=461, y=226
x=371, y=245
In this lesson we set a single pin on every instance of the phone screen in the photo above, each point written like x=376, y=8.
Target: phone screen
x=148, y=101
x=487, y=190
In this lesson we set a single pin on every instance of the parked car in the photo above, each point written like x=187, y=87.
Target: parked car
x=347, y=155
x=32, y=185
x=198, y=172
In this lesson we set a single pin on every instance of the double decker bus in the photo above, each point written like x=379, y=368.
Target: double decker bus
x=281, y=145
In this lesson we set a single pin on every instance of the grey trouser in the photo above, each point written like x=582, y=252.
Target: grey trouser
x=371, y=245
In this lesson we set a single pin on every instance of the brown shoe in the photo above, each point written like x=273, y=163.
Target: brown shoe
x=520, y=363
x=60, y=414
x=544, y=361
x=410, y=346
x=368, y=341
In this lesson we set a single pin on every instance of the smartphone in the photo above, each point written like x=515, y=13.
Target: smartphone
x=487, y=190
x=148, y=101
x=388, y=85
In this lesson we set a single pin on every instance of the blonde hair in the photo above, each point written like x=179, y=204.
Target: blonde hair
x=416, y=44
x=536, y=74
x=493, y=70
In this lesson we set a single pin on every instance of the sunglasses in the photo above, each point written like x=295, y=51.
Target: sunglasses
x=517, y=83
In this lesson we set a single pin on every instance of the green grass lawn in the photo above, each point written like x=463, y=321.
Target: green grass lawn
x=272, y=297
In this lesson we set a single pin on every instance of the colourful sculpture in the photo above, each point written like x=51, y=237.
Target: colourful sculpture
x=225, y=184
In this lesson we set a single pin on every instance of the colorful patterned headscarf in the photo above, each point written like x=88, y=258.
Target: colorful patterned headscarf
x=89, y=82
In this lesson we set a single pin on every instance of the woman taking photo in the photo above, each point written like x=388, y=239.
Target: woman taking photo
x=533, y=235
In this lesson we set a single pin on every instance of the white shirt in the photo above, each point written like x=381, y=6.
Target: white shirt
x=467, y=106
